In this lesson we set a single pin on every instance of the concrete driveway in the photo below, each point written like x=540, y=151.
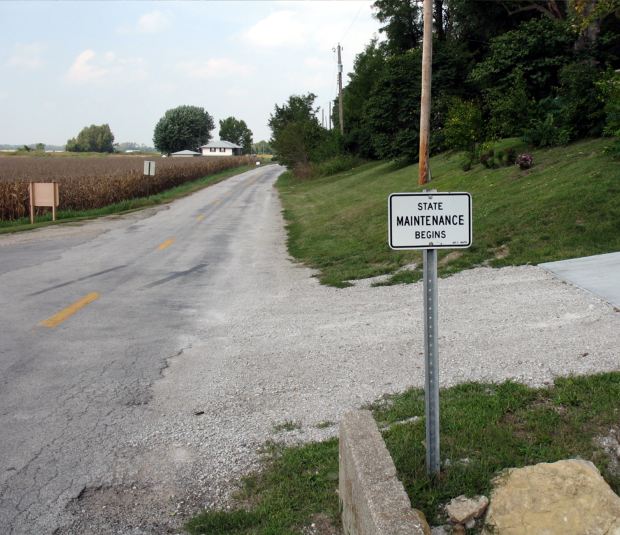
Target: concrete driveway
x=599, y=274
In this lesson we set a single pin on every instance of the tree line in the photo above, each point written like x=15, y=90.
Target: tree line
x=180, y=128
x=542, y=70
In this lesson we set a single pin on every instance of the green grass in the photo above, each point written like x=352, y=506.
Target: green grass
x=297, y=484
x=67, y=216
x=485, y=428
x=566, y=206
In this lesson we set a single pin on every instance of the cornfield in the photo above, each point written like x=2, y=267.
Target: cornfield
x=93, y=182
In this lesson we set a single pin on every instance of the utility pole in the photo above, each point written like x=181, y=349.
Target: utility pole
x=323, y=117
x=329, y=118
x=425, y=100
x=340, y=112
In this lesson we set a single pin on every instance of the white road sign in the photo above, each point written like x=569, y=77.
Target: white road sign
x=429, y=220
x=149, y=168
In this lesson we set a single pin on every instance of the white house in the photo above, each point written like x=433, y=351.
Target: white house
x=221, y=148
x=185, y=154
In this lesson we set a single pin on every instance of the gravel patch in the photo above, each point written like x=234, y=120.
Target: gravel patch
x=273, y=346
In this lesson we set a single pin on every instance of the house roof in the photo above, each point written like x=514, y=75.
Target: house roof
x=219, y=144
x=185, y=153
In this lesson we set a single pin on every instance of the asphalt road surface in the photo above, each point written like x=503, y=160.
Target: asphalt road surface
x=146, y=359
x=90, y=314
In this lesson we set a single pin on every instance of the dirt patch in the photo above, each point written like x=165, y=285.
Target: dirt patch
x=127, y=509
x=450, y=257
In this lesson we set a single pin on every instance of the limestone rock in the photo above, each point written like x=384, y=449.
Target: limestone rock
x=564, y=498
x=463, y=509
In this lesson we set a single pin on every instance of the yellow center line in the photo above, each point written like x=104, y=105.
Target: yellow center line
x=166, y=244
x=200, y=217
x=66, y=313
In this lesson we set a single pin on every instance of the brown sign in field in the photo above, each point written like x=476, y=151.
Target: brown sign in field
x=44, y=194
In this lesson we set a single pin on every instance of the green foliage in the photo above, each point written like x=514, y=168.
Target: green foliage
x=547, y=128
x=609, y=94
x=581, y=110
x=92, y=138
x=297, y=137
x=463, y=128
x=237, y=132
x=367, y=68
x=508, y=108
x=393, y=108
x=183, y=128
x=537, y=50
x=338, y=164
x=402, y=19
x=262, y=147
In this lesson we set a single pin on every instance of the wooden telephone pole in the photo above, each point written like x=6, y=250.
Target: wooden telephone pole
x=340, y=112
x=425, y=100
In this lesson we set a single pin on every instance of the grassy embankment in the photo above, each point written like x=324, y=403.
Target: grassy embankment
x=567, y=205
x=66, y=216
x=484, y=429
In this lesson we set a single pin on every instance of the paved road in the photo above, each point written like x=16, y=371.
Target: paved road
x=90, y=314
x=599, y=274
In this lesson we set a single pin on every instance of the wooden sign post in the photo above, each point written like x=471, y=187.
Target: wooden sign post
x=43, y=194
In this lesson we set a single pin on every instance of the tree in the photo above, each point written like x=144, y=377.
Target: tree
x=296, y=133
x=236, y=131
x=262, y=147
x=183, y=127
x=92, y=138
x=403, y=23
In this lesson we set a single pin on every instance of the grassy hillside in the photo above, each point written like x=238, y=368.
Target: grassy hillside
x=567, y=205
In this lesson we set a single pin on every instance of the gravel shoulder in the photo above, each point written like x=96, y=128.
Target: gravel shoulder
x=271, y=345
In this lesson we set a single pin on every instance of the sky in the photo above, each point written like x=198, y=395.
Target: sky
x=66, y=65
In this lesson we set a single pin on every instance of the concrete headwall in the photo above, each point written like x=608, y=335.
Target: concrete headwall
x=373, y=500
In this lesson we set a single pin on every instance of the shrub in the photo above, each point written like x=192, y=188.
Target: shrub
x=511, y=156
x=524, y=161
x=550, y=130
x=344, y=162
x=463, y=128
x=487, y=159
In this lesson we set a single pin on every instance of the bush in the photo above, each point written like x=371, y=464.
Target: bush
x=487, y=159
x=463, y=126
x=344, y=162
x=524, y=161
x=511, y=156
x=548, y=127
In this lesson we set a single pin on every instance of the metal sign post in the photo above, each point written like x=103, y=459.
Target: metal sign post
x=430, y=221
x=431, y=364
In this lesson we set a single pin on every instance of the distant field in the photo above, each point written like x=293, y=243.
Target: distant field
x=95, y=182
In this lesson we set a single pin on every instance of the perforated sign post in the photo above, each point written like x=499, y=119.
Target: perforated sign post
x=430, y=221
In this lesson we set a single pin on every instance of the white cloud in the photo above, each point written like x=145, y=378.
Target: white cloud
x=215, y=68
x=310, y=24
x=281, y=28
x=26, y=56
x=87, y=67
x=83, y=69
x=152, y=22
